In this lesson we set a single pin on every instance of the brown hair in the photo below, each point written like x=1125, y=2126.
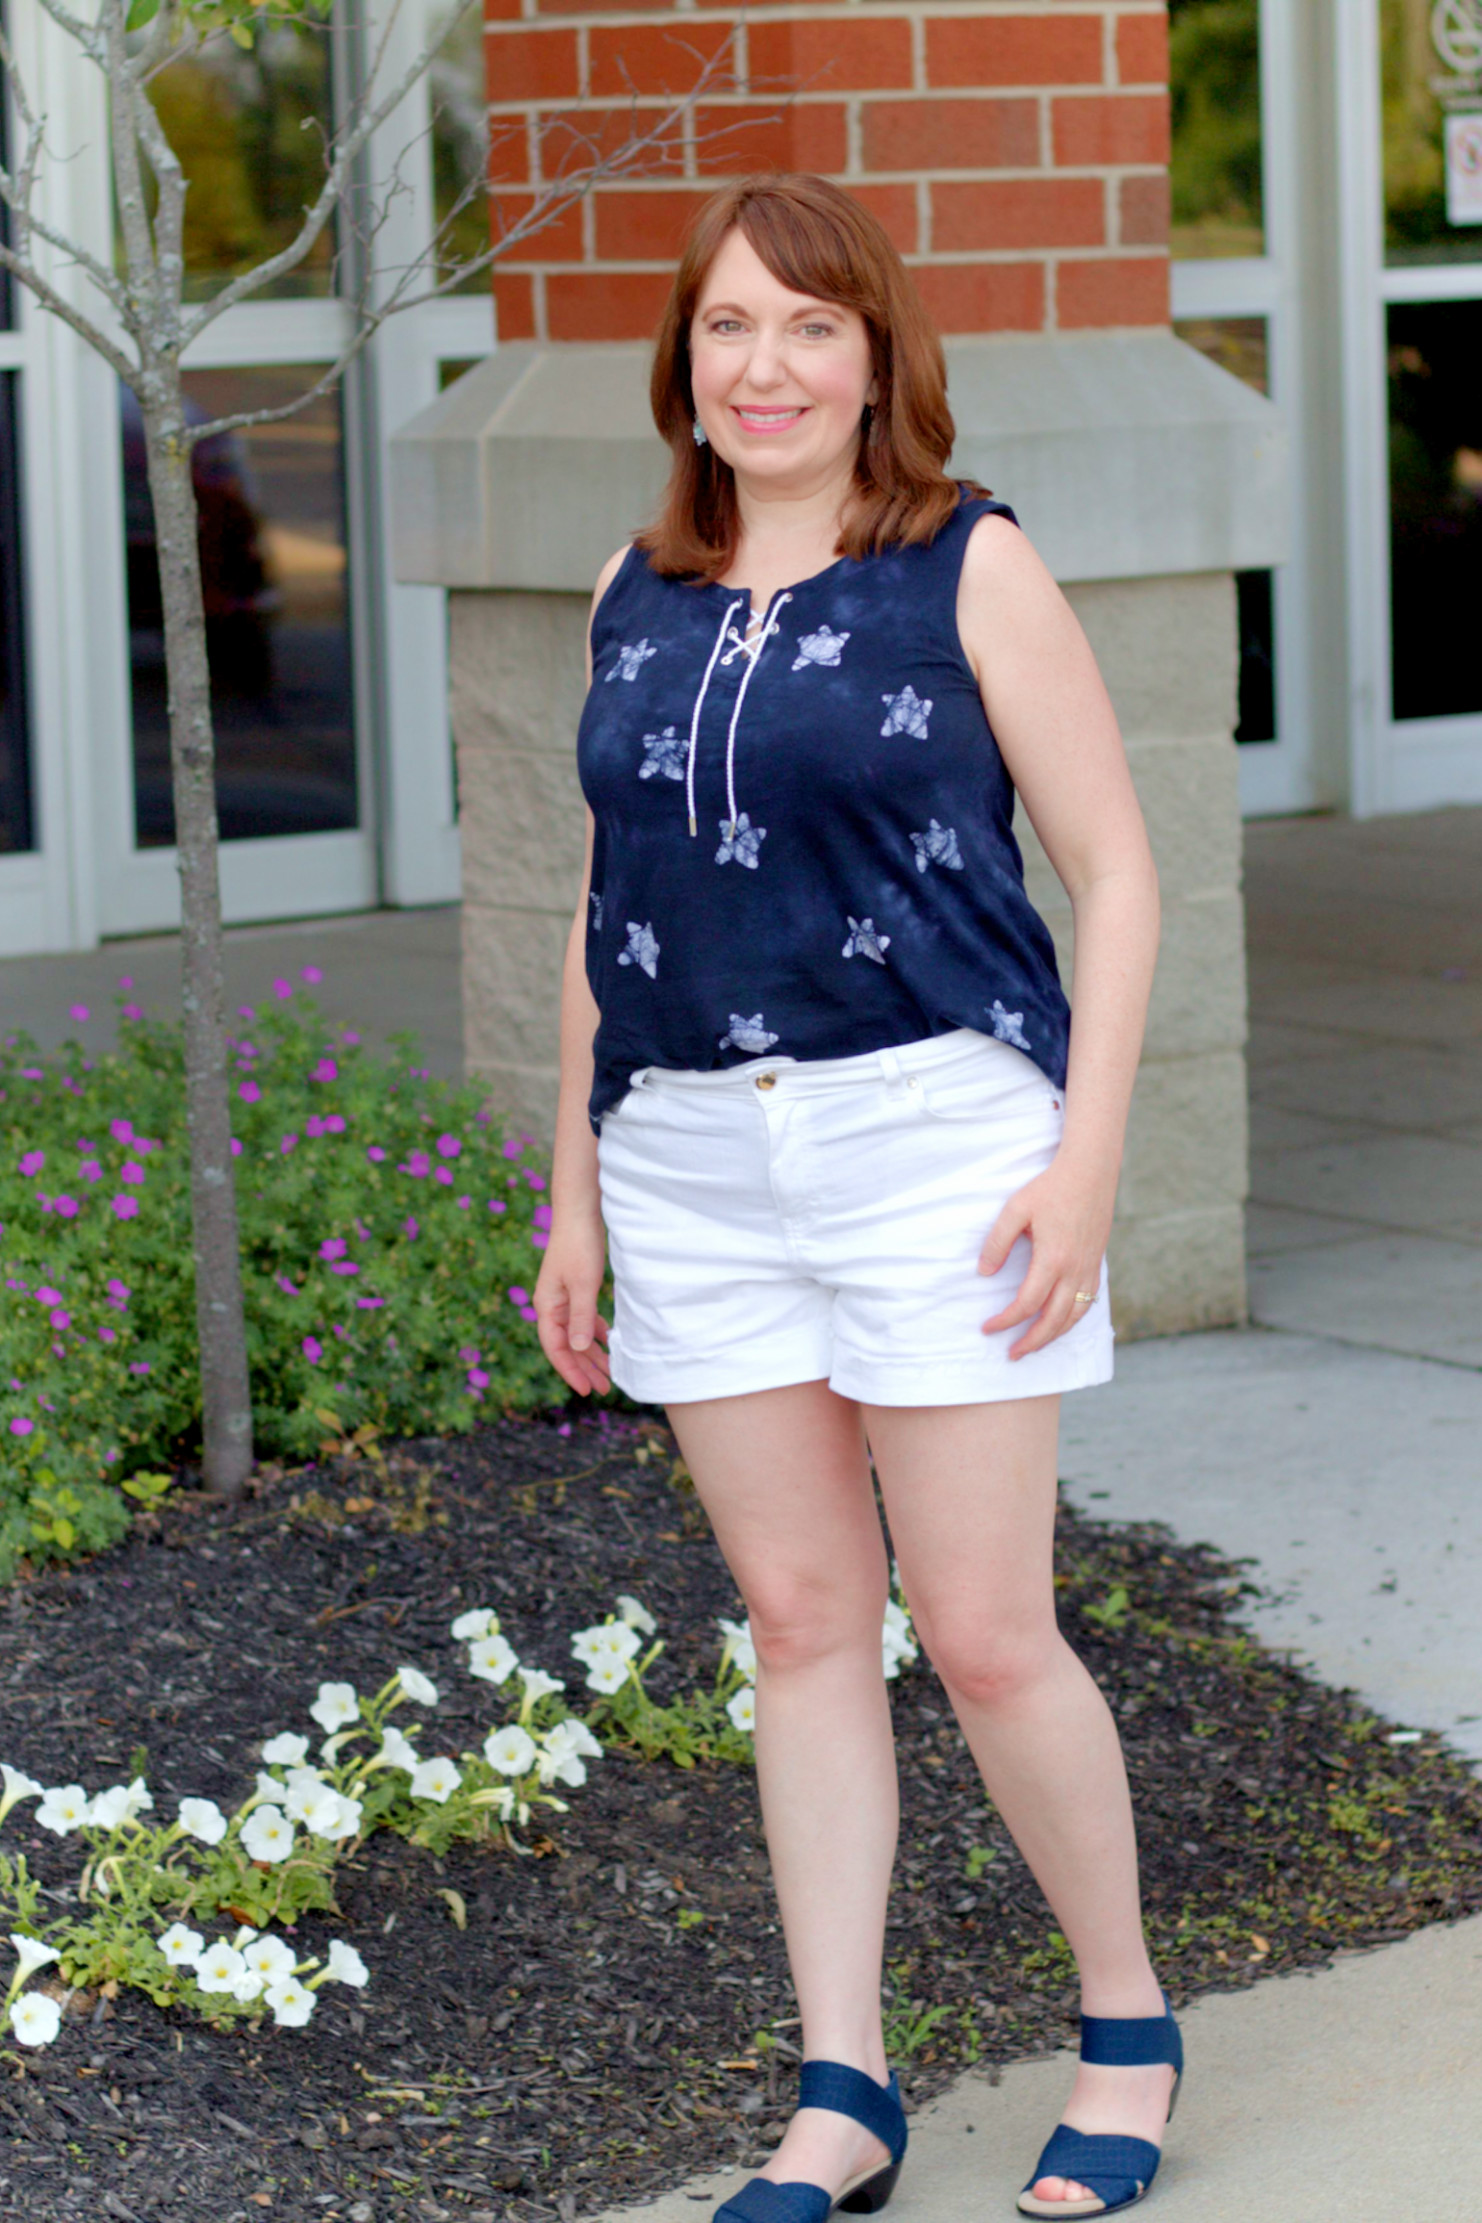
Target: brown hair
x=815, y=240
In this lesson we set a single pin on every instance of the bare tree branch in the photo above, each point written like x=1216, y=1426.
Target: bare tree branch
x=17, y=189
x=46, y=293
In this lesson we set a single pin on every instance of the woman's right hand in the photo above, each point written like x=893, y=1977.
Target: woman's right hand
x=573, y=1334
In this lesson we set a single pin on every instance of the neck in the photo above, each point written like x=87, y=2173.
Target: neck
x=795, y=516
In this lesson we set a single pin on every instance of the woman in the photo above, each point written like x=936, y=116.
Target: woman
x=857, y=1175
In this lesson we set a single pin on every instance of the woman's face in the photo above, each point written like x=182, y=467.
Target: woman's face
x=780, y=380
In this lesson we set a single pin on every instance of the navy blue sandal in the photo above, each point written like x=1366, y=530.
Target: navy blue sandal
x=1119, y=2171
x=845, y=2091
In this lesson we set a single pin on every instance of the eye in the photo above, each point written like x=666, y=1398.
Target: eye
x=820, y=329
x=724, y=324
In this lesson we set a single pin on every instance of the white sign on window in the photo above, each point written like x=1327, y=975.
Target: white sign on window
x=1464, y=169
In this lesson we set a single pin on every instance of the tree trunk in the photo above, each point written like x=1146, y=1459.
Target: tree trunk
x=226, y=1405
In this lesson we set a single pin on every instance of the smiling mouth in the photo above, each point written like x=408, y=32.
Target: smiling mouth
x=769, y=420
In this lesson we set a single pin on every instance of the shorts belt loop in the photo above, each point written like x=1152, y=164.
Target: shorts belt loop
x=890, y=1066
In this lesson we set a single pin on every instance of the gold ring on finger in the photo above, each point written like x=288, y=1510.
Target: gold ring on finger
x=1084, y=1296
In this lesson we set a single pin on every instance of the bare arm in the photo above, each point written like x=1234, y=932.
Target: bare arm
x=572, y=1334
x=1054, y=722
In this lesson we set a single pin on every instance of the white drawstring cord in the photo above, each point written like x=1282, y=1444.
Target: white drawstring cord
x=689, y=777
x=753, y=659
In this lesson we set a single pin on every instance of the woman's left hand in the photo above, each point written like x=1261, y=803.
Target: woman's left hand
x=1066, y=1212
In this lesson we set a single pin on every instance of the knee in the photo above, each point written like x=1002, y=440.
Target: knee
x=986, y=1666
x=797, y=1621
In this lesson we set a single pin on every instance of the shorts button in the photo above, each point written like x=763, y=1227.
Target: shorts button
x=766, y=1080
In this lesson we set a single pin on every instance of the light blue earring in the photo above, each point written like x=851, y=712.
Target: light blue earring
x=701, y=437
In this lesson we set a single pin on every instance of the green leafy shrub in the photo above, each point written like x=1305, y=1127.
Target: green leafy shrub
x=391, y=1233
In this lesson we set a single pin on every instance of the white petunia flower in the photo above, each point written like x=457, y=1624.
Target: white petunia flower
x=396, y=1751
x=270, y=1957
x=303, y=1787
x=739, y=1649
x=345, y=1965
x=418, y=1687
x=288, y=1750
x=181, y=1946
x=435, y=1779
x=336, y=1704
x=479, y=1621
x=63, y=1808
x=243, y=1935
x=511, y=1750
x=267, y=1834
x=269, y=1786
x=247, y=1986
x=637, y=1616
x=202, y=1818
x=492, y=1659
x=561, y=1767
x=742, y=1707
x=292, y=2003
x=119, y=1803
x=573, y=1736
x=18, y=1785
x=333, y=1815
x=608, y=1640
x=538, y=1684
x=31, y=1953
x=220, y=1968
x=607, y=1675
x=35, y=2018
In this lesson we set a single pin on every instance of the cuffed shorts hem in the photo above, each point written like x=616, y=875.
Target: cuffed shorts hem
x=687, y=1378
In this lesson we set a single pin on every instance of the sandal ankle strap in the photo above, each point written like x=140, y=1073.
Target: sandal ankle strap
x=1131, y=2041
x=847, y=2091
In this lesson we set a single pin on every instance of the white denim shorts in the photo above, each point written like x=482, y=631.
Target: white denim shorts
x=779, y=1222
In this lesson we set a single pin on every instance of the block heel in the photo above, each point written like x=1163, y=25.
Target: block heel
x=846, y=2091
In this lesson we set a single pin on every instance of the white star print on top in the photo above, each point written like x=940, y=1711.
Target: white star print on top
x=663, y=753
x=596, y=902
x=631, y=660
x=1008, y=1026
x=865, y=942
x=906, y=713
x=938, y=845
x=822, y=647
x=642, y=949
x=747, y=1034
x=741, y=841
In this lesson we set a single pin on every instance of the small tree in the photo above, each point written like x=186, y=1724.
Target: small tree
x=142, y=325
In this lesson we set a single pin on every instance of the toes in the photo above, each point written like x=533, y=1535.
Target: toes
x=1061, y=2188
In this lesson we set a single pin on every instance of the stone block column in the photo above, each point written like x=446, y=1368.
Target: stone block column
x=1016, y=150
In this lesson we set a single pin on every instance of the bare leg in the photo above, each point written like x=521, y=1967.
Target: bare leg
x=970, y=1496
x=785, y=1479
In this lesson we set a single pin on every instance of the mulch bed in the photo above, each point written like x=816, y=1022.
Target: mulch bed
x=580, y=2045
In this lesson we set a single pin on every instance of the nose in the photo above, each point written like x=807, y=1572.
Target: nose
x=765, y=368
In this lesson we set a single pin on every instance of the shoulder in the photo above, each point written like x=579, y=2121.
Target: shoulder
x=608, y=573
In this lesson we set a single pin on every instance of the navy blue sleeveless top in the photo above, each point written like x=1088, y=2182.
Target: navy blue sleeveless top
x=803, y=845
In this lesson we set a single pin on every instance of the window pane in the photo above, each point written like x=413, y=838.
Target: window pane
x=15, y=767
x=1435, y=507
x=1432, y=63
x=1239, y=344
x=1215, y=89
x=273, y=558
x=460, y=143
x=249, y=126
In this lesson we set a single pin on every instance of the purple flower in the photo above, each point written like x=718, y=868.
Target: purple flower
x=311, y=974
x=469, y=1356
x=122, y=1130
x=126, y=1207
x=131, y=1172
x=245, y=1011
x=528, y=1312
x=348, y=1036
x=144, y=1144
x=32, y=1073
x=33, y=1162
x=91, y=1170
x=369, y=1304
x=497, y=1204
x=518, y=1295
x=313, y=1125
x=325, y=1070
x=335, y=1124
x=482, y=1118
x=119, y=1291
x=564, y=1429
x=410, y=1230
x=285, y=1285
x=289, y=1142
x=512, y=1148
x=125, y=980
x=418, y=1165
x=333, y=1246
x=282, y=989
x=236, y=1147
x=344, y=1266
x=107, y=1335
x=444, y=1174
x=313, y=1349
x=130, y=1011
x=66, y=1205
x=540, y=1240
x=375, y=1153
x=48, y=1296
x=536, y=1180
x=138, y=1366
x=248, y=1091
x=78, y=1011
x=465, y=1203
x=20, y=1426
x=448, y=1146
x=541, y=1216
x=61, y=1319
x=477, y=1378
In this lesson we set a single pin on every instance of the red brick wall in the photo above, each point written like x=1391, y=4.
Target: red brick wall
x=1016, y=150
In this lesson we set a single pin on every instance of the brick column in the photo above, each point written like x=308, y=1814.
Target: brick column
x=1015, y=150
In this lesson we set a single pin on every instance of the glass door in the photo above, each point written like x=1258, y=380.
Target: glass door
x=1413, y=337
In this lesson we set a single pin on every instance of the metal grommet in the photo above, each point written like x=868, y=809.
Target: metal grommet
x=766, y=1080
x=912, y=1082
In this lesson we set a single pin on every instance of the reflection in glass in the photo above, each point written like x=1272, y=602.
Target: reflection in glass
x=249, y=125
x=1432, y=73
x=1239, y=344
x=1215, y=92
x=272, y=534
x=15, y=768
x=1435, y=507
x=460, y=142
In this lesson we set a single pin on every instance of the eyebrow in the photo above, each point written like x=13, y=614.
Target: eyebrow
x=734, y=308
